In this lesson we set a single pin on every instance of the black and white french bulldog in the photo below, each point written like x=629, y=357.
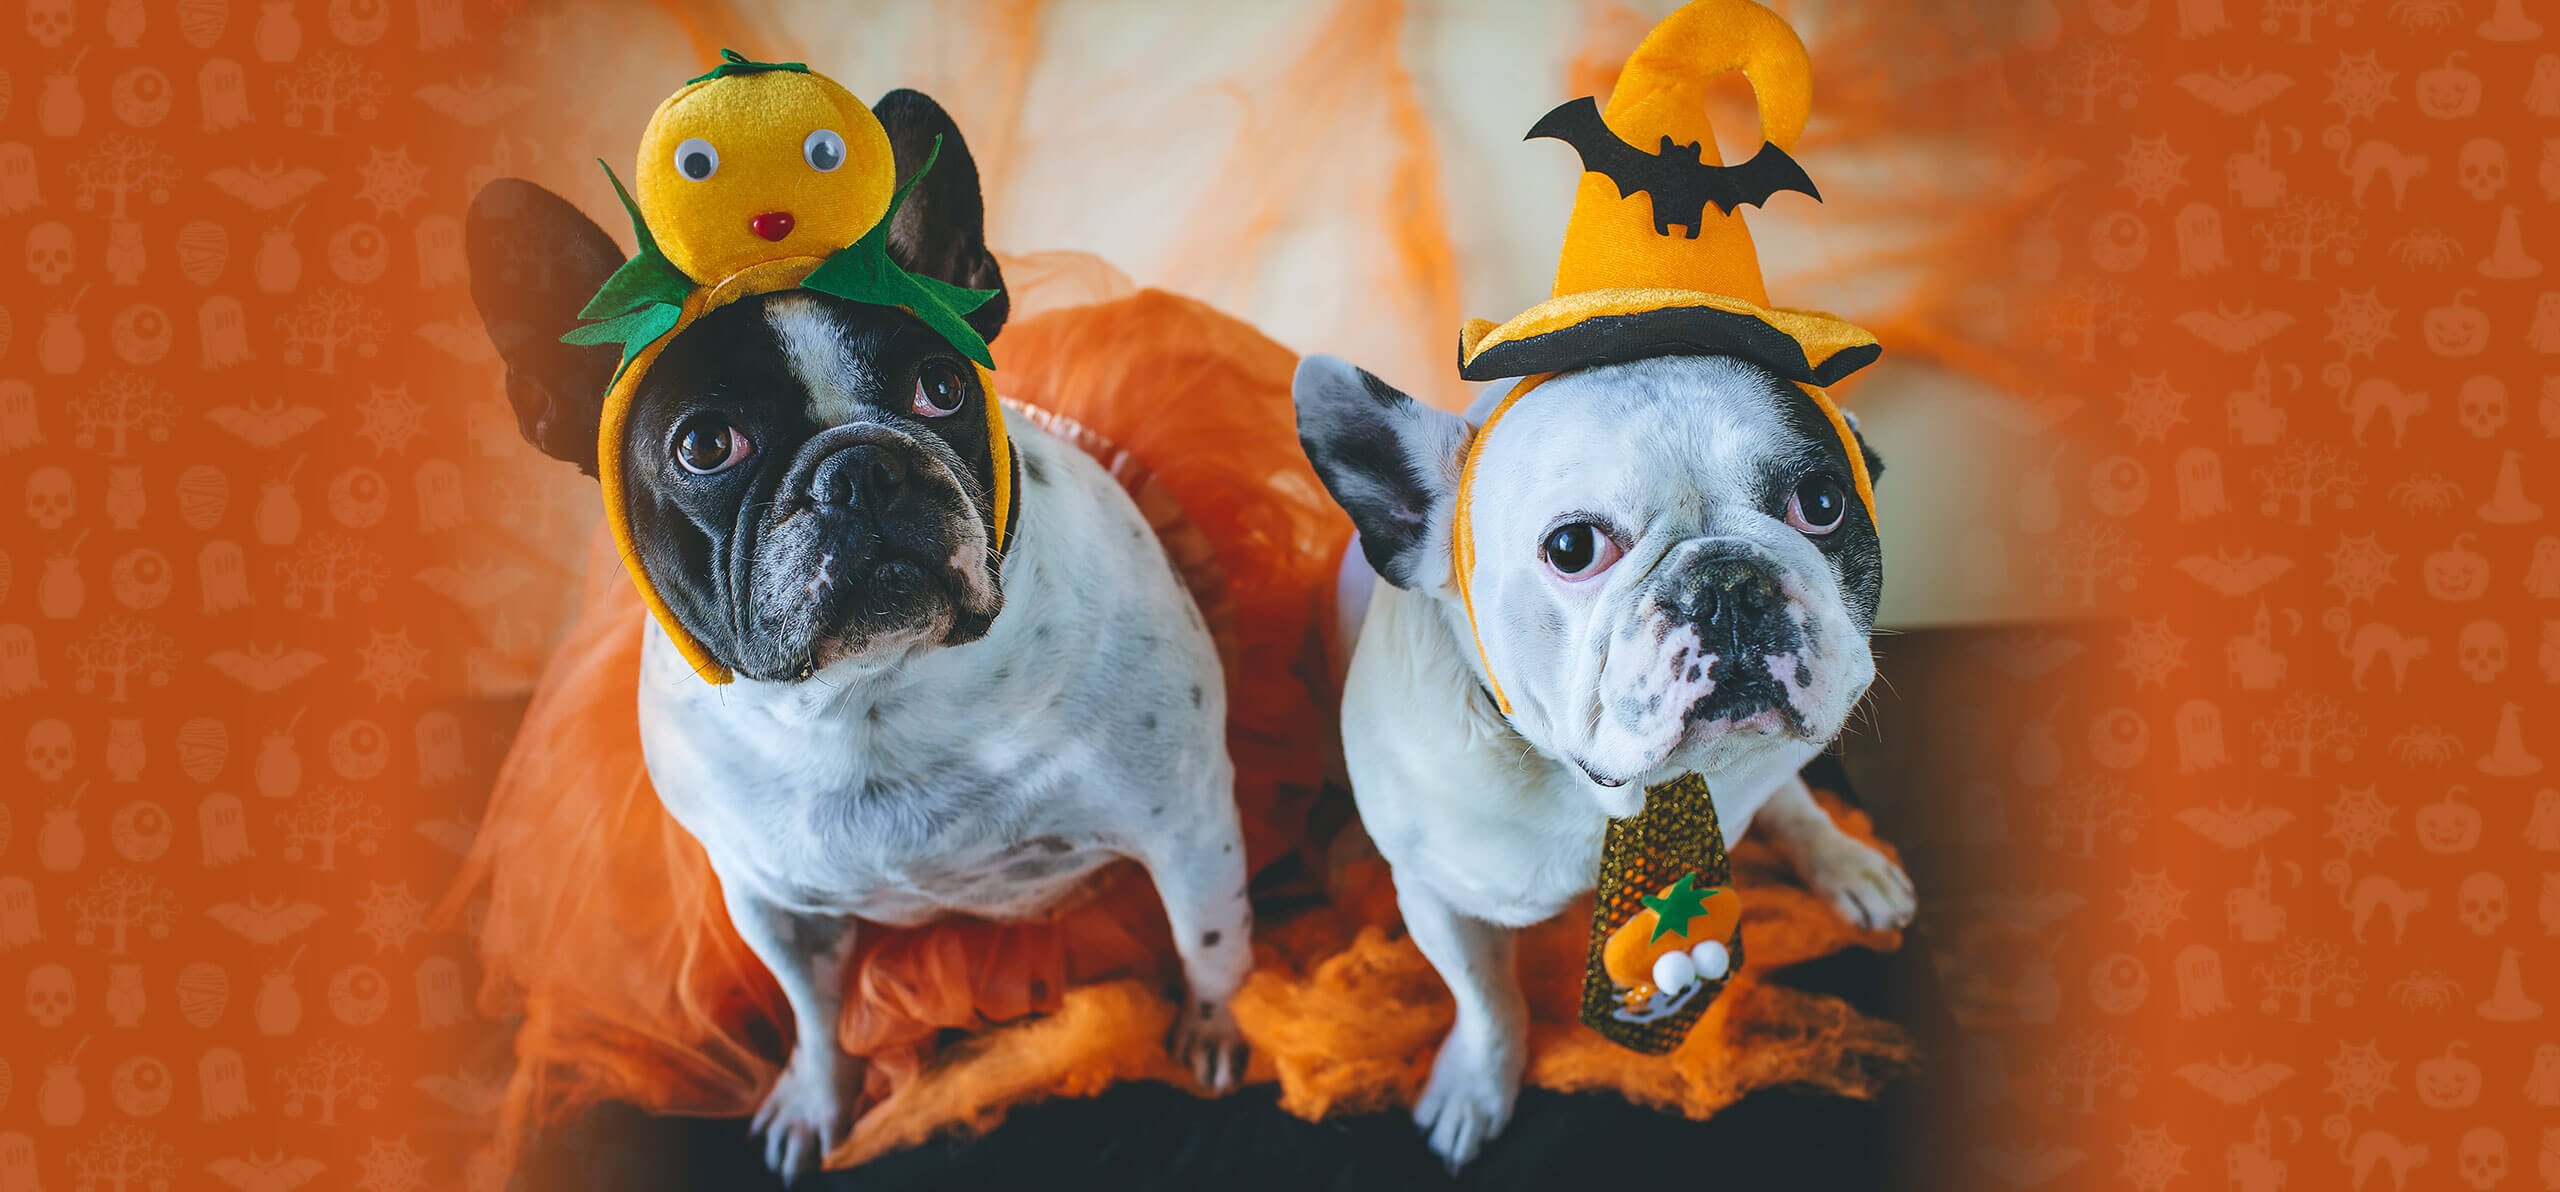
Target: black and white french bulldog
x=1677, y=576
x=917, y=727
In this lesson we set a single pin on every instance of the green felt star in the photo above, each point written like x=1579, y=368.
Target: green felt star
x=1676, y=906
x=734, y=63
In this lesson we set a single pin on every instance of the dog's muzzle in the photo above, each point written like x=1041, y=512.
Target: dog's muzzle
x=1733, y=598
x=868, y=475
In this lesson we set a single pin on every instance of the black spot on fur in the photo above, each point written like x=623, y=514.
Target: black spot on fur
x=1195, y=695
x=1362, y=461
x=1209, y=939
x=1033, y=869
x=1854, y=550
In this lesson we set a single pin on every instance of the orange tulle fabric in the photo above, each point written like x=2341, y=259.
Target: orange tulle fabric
x=602, y=928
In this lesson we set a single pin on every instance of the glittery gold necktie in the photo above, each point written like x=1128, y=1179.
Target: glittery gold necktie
x=1666, y=925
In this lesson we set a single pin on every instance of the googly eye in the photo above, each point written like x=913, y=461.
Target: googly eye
x=696, y=159
x=824, y=150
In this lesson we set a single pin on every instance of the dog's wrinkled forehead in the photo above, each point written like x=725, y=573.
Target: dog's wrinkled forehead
x=802, y=357
x=841, y=374
x=1692, y=430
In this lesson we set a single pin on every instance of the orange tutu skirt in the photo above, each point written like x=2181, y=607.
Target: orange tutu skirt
x=604, y=937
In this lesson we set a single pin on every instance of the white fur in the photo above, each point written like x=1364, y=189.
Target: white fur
x=1495, y=824
x=896, y=790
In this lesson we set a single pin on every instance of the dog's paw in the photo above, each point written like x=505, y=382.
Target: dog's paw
x=1206, y=1041
x=1871, y=891
x=1468, y=1099
x=801, y=1120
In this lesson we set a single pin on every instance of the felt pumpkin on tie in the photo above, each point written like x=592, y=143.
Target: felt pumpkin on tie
x=757, y=177
x=1657, y=261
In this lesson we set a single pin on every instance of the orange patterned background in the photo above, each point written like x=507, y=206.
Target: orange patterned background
x=237, y=615
x=2262, y=883
x=2289, y=852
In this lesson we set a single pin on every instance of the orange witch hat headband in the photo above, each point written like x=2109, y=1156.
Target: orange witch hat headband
x=757, y=177
x=1656, y=258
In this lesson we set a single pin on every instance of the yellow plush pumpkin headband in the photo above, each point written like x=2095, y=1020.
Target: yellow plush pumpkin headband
x=1656, y=258
x=758, y=177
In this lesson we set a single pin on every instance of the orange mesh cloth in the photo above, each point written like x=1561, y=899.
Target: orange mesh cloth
x=1351, y=1022
x=603, y=926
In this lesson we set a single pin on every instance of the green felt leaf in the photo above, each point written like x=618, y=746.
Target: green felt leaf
x=648, y=277
x=1674, y=907
x=734, y=63
x=634, y=330
x=863, y=271
x=959, y=298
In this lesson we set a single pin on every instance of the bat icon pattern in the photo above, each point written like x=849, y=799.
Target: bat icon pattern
x=2235, y=574
x=269, y=668
x=2234, y=94
x=2235, y=1084
x=2235, y=828
x=266, y=922
x=1675, y=176
x=256, y=1173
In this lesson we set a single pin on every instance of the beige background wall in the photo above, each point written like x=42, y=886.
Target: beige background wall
x=1351, y=177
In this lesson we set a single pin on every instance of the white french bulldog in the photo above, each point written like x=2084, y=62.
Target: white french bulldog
x=1674, y=576
x=917, y=727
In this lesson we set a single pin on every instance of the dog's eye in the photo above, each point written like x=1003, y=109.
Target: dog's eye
x=706, y=443
x=696, y=159
x=940, y=388
x=824, y=150
x=1578, y=550
x=1817, y=505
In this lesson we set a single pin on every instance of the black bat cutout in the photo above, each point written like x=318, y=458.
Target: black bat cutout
x=1681, y=186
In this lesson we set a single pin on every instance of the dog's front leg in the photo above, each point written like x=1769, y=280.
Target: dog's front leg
x=1476, y=1076
x=1200, y=876
x=804, y=1117
x=1868, y=888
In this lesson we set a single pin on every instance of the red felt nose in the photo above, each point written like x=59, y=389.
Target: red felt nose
x=772, y=225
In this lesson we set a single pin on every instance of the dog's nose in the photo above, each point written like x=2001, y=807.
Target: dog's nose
x=862, y=476
x=1731, y=591
x=772, y=225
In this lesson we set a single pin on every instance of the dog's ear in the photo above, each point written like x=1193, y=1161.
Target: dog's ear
x=1391, y=462
x=941, y=232
x=1875, y=462
x=535, y=260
